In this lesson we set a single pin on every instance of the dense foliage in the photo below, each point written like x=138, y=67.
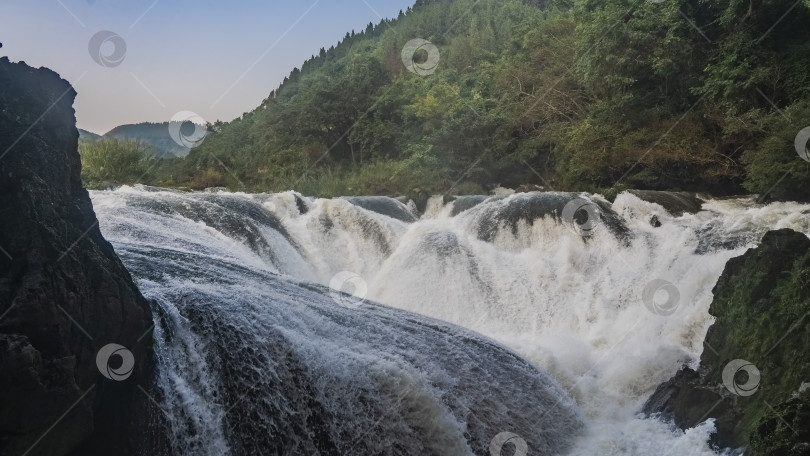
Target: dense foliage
x=567, y=94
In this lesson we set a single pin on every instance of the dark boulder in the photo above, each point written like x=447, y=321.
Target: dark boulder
x=64, y=294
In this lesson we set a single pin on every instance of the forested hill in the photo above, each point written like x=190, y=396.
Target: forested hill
x=577, y=94
x=155, y=136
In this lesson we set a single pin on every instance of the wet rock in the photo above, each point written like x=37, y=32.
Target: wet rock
x=384, y=205
x=463, y=203
x=508, y=212
x=302, y=206
x=676, y=203
x=420, y=198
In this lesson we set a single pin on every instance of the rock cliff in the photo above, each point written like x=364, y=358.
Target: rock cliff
x=754, y=369
x=64, y=294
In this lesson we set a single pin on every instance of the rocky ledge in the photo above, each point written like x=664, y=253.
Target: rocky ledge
x=754, y=372
x=64, y=294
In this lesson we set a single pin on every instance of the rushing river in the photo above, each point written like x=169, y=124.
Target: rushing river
x=503, y=319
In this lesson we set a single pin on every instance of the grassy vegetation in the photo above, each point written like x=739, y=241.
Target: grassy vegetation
x=114, y=162
x=785, y=429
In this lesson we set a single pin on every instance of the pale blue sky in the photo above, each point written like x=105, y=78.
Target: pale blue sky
x=215, y=58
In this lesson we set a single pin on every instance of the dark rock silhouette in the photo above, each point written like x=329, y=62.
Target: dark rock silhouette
x=64, y=293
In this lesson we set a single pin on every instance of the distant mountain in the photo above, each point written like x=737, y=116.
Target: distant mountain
x=155, y=135
x=88, y=135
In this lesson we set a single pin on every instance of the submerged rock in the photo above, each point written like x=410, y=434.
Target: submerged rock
x=754, y=356
x=64, y=294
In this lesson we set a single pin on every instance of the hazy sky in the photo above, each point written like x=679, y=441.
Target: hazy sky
x=217, y=59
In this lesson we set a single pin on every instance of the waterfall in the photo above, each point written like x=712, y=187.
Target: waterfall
x=254, y=357
x=551, y=316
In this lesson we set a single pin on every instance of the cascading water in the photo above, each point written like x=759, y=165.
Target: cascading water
x=252, y=362
x=254, y=357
